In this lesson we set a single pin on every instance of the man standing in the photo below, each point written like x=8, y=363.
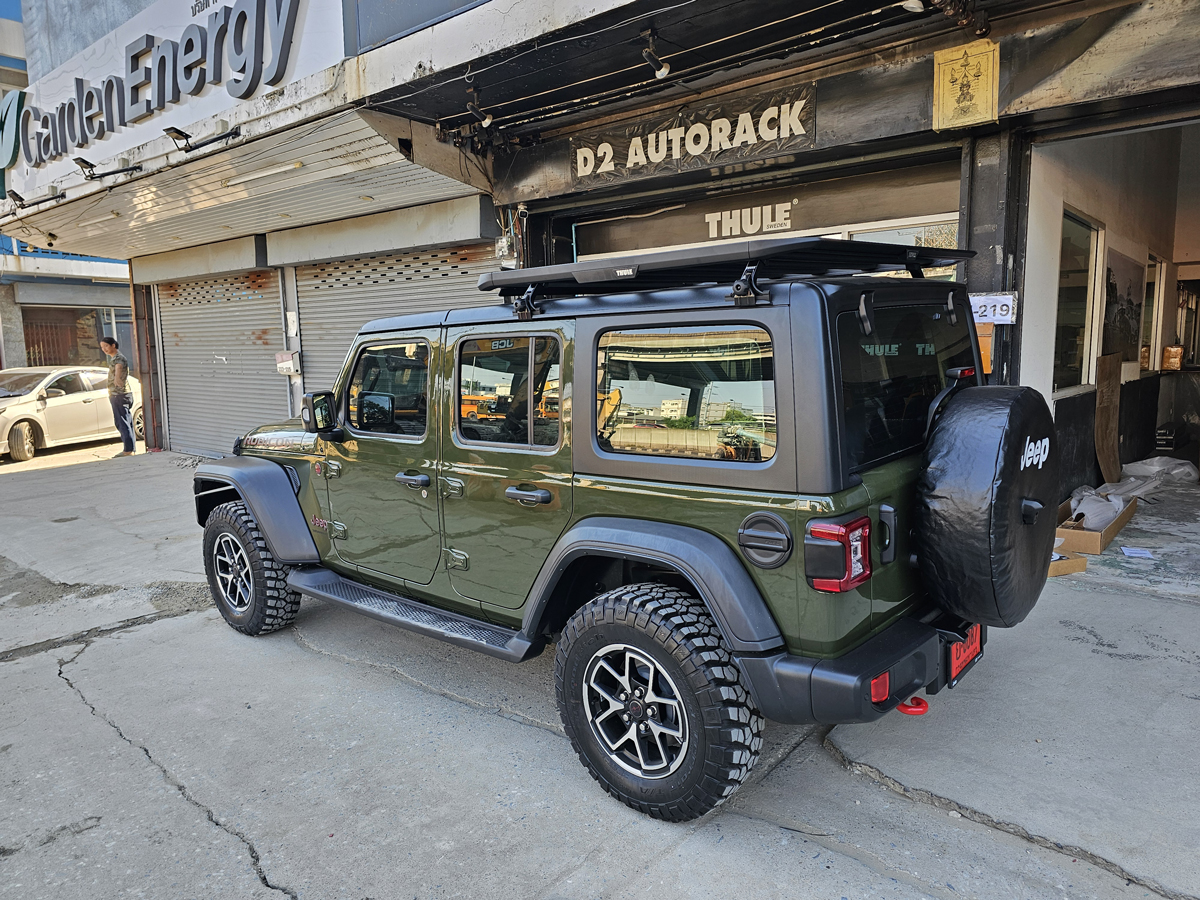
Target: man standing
x=119, y=394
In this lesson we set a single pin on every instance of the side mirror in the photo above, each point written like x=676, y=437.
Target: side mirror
x=376, y=410
x=317, y=412
x=54, y=392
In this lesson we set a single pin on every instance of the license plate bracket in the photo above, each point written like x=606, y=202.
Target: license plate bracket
x=961, y=656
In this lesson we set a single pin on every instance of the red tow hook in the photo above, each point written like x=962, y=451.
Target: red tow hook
x=914, y=707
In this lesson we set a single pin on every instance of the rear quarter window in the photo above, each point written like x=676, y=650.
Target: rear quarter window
x=890, y=377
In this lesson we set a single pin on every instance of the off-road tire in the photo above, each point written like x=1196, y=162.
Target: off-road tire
x=271, y=605
x=21, y=442
x=724, y=728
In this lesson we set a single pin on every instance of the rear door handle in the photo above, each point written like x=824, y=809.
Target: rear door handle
x=413, y=481
x=93, y=400
x=541, y=495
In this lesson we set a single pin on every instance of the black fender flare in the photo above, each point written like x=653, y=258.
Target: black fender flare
x=704, y=559
x=264, y=487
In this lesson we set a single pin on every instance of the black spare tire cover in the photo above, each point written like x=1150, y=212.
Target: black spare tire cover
x=987, y=504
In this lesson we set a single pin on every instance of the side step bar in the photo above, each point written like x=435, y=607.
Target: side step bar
x=430, y=621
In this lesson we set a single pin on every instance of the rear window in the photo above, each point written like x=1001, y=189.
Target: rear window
x=890, y=377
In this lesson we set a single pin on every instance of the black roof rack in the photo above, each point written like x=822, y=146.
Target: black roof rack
x=741, y=264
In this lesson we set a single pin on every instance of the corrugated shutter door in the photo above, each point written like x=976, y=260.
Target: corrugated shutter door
x=337, y=298
x=219, y=340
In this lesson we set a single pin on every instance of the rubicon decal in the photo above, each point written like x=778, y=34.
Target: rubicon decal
x=1036, y=453
x=755, y=127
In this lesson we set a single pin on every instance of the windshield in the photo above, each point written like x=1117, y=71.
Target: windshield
x=15, y=384
x=890, y=378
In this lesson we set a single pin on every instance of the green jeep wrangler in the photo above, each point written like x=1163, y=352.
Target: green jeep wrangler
x=735, y=484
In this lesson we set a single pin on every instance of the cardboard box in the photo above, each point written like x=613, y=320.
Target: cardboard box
x=1071, y=563
x=1080, y=540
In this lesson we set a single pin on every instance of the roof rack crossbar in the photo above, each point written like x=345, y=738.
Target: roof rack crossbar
x=771, y=259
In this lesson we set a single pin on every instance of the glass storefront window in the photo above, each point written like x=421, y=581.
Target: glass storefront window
x=943, y=235
x=1146, y=357
x=1075, y=271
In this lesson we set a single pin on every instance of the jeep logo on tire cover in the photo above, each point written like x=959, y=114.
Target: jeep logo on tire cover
x=1035, y=452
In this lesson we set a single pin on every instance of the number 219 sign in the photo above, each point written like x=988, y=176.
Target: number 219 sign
x=999, y=309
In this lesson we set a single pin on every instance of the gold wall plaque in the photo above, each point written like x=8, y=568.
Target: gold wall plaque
x=966, y=85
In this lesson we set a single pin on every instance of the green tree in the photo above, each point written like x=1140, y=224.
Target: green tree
x=736, y=415
x=681, y=422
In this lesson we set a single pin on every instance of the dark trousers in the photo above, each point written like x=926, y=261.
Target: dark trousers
x=121, y=406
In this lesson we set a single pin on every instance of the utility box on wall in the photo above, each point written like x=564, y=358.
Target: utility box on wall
x=288, y=362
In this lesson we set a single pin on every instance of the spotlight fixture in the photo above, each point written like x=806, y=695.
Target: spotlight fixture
x=183, y=140
x=913, y=6
x=90, y=173
x=22, y=203
x=485, y=119
x=661, y=69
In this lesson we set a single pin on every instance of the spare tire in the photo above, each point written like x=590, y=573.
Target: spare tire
x=987, y=504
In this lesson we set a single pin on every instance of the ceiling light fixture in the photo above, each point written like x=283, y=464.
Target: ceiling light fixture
x=264, y=173
x=112, y=214
x=183, y=140
x=485, y=119
x=90, y=173
x=661, y=69
x=913, y=6
x=366, y=197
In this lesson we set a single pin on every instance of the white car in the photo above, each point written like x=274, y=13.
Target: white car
x=49, y=406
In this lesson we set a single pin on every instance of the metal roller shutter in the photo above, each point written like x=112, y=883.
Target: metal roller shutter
x=337, y=298
x=219, y=340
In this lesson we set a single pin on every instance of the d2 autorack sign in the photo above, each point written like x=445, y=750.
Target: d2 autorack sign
x=738, y=130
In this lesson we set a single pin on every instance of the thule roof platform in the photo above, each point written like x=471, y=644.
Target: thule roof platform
x=742, y=265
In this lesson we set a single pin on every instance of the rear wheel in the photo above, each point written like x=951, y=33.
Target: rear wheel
x=139, y=426
x=22, y=443
x=247, y=584
x=653, y=704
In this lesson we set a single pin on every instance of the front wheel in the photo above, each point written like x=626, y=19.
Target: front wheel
x=247, y=584
x=653, y=704
x=21, y=442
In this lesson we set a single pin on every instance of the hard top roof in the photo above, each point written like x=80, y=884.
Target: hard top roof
x=776, y=259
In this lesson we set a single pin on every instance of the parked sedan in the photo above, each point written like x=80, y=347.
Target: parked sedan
x=49, y=406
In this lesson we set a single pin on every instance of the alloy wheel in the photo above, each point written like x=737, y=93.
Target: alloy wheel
x=235, y=580
x=636, y=711
x=30, y=444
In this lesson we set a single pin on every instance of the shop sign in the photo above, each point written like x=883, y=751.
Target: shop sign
x=998, y=309
x=734, y=131
x=175, y=62
x=966, y=85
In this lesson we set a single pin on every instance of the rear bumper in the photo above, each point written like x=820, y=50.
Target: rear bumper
x=801, y=690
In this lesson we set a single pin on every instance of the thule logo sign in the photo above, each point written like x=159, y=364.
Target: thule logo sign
x=625, y=273
x=1036, y=453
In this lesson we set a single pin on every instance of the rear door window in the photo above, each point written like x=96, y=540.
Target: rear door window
x=890, y=377
x=705, y=392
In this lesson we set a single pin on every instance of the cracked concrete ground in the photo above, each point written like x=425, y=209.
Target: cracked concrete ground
x=146, y=749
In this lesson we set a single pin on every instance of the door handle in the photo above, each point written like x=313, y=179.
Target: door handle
x=541, y=495
x=413, y=481
x=93, y=400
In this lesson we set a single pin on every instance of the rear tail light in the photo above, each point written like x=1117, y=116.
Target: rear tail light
x=854, y=537
x=881, y=688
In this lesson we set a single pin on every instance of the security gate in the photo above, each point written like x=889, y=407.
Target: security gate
x=337, y=298
x=219, y=340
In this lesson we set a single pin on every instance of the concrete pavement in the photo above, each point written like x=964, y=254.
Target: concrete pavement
x=146, y=749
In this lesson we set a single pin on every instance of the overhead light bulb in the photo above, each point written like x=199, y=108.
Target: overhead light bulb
x=661, y=69
x=103, y=220
x=913, y=6
x=485, y=119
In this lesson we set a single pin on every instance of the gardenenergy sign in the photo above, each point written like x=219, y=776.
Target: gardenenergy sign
x=229, y=47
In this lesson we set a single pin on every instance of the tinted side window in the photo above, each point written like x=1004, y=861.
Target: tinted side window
x=508, y=390
x=704, y=392
x=388, y=391
x=96, y=381
x=71, y=384
x=890, y=378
